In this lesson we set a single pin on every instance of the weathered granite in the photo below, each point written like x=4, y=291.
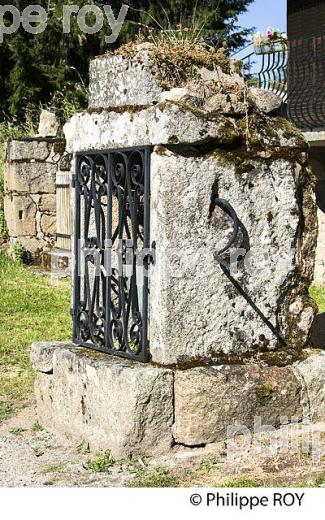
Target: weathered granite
x=264, y=100
x=196, y=312
x=115, y=81
x=134, y=409
x=110, y=403
x=41, y=355
x=209, y=400
x=28, y=177
x=28, y=150
x=311, y=374
x=167, y=123
x=48, y=124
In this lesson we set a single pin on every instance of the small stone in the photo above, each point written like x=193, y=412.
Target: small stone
x=48, y=124
x=264, y=100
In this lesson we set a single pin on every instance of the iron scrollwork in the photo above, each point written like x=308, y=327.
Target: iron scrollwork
x=112, y=255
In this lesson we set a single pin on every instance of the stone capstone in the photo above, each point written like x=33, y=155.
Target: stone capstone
x=168, y=123
x=134, y=82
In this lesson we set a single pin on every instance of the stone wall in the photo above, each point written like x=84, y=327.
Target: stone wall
x=31, y=167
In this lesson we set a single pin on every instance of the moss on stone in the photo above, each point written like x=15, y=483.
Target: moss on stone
x=263, y=394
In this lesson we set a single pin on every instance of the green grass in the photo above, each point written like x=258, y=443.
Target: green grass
x=318, y=294
x=159, y=477
x=31, y=309
x=37, y=427
x=53, y=468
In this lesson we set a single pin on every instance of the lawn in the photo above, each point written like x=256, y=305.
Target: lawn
x=318, y=294
x=31, y=309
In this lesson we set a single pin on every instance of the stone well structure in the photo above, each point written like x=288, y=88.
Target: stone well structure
x=208, y=191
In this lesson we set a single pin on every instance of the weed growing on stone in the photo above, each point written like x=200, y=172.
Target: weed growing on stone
x=83, y=447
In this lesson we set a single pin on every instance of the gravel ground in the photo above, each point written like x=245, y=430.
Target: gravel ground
x=30, y=458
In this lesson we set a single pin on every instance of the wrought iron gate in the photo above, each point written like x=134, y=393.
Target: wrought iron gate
x=112, y=251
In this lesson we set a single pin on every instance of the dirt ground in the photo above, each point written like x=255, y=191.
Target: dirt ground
x=31, y=456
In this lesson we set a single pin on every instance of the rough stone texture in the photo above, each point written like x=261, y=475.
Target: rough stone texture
x=132, y=409
x=30, y=192
x=48, y=124
x=41, y=355
x=320, y=251
x=30, y=177
x=264, y=100
x=116, y=81
x=166, y=123
x=178, y=95
x=311, y=374
x=196, y=312
x=226, y=104
x=28, y=150
x=20, y=211
x=208, y=400
x=48, y=224
x=117, y=405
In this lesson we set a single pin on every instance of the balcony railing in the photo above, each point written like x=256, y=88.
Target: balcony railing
x=297, y=75
x=266, y=69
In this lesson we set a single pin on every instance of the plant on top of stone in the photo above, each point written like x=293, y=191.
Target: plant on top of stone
x=179, y=51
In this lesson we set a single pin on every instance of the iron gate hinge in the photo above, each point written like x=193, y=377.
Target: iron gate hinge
x=73, y=181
